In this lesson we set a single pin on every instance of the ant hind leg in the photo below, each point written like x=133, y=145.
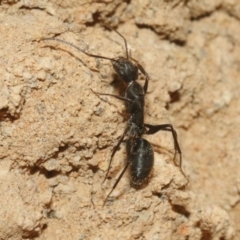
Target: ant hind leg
x=151, y=129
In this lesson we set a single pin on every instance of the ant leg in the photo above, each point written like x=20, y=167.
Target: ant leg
x=122, y=137
x=114, y=151
x=116, y=96
x=142, y=70
x=145, y=87
x=168, y=127
x=116, y=183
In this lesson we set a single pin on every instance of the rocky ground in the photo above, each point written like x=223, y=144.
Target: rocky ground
x=56, y=135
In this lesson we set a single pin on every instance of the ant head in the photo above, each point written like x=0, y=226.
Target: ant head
x=125, y=69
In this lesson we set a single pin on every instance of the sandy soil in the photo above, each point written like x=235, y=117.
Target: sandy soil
x=56, y=135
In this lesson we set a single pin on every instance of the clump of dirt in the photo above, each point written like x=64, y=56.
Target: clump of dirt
x=57, y=135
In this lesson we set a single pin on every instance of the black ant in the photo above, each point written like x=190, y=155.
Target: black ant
x=139, y=150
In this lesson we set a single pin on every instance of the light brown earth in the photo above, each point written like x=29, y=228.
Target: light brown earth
x=56, y=135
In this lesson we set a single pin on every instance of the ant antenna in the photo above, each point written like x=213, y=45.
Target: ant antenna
x=124, y=39
x=90, y=54
x=79, y=49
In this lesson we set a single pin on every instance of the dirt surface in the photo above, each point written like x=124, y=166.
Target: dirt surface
x=57, y=136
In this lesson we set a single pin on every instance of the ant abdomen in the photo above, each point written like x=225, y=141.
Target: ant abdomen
x=140, y=157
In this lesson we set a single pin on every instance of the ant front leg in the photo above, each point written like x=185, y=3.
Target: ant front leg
x=142, y=70
x=145, y=87
x=151, y=129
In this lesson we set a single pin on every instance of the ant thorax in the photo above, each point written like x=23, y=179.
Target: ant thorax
x=135, y=94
